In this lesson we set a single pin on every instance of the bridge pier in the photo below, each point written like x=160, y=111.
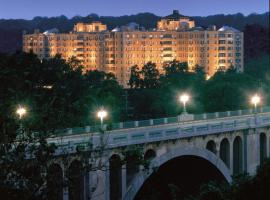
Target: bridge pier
x=107, y=182
x=124, y=178
x=65, y=195
x=100, y=189
x=268, y=143
x=253, y=153
x=65, y=188
x=231, y=155
x=245, y=147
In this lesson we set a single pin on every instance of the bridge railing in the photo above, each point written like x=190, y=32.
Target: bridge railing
x=159, y=121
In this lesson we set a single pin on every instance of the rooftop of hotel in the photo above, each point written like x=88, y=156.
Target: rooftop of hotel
x=132, y=26
x=175, y=16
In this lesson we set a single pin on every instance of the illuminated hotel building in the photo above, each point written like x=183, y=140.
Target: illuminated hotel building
x=175, y=38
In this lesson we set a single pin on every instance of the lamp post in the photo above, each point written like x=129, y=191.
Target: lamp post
x=255, y=100
x=102, y=114
x=184, y=98
x=21, y=112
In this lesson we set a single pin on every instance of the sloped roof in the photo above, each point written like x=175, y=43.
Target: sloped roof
x=54, y=30
x=228, y=28
x=116, y=29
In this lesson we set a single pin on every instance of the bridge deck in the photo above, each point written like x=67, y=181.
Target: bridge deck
x=138, y=132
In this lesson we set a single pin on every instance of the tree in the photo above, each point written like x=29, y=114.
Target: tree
x=57, y=95
x=150, y=75
x=104, y=90
x=256, y=41
x=135, y=80
x=177, y=79
x=175, y=67
x=228, y=91
x=259, y=68
x=48, y=89
x=23, y=167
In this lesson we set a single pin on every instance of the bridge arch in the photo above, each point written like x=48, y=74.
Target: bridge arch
x=76, y=183
x=224, y=151
x=237, y=155
x=149, y=154
x=211, y=146
x=204, y=154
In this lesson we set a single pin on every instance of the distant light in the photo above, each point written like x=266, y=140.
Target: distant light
x=21, y=111
x=47, y=86
x=208, y=77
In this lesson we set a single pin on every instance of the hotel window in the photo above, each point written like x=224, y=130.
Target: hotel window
x=221, y=55
x=222, y=41
x=221, y=35
x=237, y=60
x=222, y=48
x=222, y=61
x=167, y=36
x=238, y=36
x=237, y=54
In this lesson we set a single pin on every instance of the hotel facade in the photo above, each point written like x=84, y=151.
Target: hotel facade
x=117, y=50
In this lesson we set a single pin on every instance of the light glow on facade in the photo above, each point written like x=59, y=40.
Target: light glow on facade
x=116, y=51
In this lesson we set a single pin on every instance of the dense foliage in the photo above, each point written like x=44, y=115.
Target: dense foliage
x=54, y=92
x=256, y=41
x=153, y=95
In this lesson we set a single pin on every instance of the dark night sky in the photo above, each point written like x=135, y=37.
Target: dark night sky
x=30, y=8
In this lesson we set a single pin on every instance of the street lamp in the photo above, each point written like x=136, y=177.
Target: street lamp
x=184, y=98
x=102, y=114
x=255, y=100
x=21, y=111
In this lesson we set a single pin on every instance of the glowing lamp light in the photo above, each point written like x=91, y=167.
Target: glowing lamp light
x=21, y=111
x=184, y=98
x=102, y=114
x=255, y=100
